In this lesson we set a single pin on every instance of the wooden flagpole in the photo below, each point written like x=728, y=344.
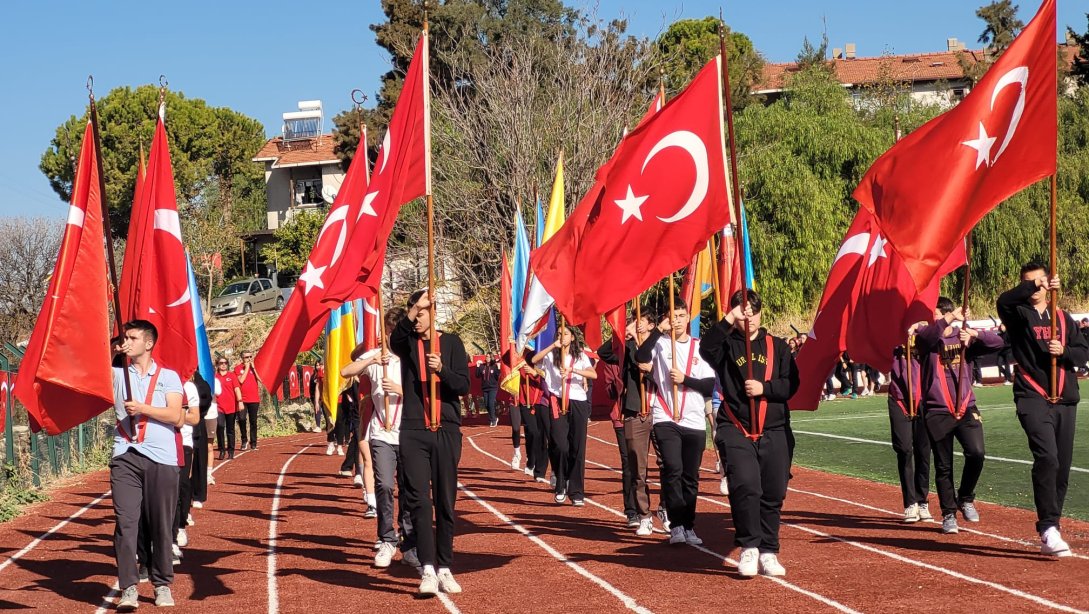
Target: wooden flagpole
x=563, y=365
x=432, y=378
x=736, y=194
x=673, y=347
x=107, y=228
x=642, y=380
x=1053, y=295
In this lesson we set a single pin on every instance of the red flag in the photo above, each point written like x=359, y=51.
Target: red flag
x=303, y=317
x=4, y=389
x=155, y=284
x=868, y=303
x=402, y=172
x=370, y=323
x=293, y=382
x=65, y=377
x=729, y=267
x=653, y=206
x=307, y=376
x=936, y=183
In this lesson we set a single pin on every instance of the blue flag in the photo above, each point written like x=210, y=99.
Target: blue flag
x=519, y=273
x=750, y=276
x=204, y=351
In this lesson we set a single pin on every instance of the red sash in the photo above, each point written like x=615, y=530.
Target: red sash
x=957, y=409
x=687, y=369
x=1062, y=372
x=769, y=351
x=141, y=423
x=425, y=378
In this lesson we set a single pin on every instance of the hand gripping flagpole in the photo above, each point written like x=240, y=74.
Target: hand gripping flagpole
x=1053, y=295
x=736, y=194
x=108, y=232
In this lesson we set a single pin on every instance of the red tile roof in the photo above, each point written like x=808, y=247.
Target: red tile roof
x=303, y=152
x=942, y=65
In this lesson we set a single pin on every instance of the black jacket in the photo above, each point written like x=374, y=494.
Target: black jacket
x=453, y=379
x=723, y=347
x=608, y=353
x=1029, y=332
x=489, y=376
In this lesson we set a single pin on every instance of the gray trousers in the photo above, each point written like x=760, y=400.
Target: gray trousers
x=142, y=486
x=387, y=474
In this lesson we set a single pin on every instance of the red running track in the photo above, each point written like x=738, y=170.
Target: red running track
x=282, y=533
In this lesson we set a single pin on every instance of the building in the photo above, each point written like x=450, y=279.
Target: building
x=302, y=172
x=931, y=78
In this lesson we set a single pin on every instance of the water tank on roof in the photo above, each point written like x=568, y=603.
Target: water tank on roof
x=306, y=123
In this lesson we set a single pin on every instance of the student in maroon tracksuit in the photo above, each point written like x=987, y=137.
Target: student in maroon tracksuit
x=909, y=438
x=949, y=405
x=757, y=455
x=1048, y=423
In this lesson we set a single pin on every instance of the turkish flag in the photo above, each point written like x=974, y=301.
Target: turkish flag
x=868, y=303
x=4, y=390
x=65, y=378
x=653, y=205
x=155, y=278
x=307, y=377
x=371, y=332
x=402, y=173
x=303, y=317
x=936, y=183
x=293, y=382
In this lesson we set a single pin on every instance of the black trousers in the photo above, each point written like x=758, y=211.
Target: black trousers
x=912, y=446
x=185, y=491
x=247, y=421
x=559, y=447
x=523, y=416
x=757, y=472
x=578, y=417
x=1004, y=367
x=627, y=473
x=489, y=402
x=351, y=454
x=143, y=488
x=943, y=428
x=228, y=429
x=542, y=415
x=198, y=475
x=430, y=461
x=1050, y=430
x=682, y=451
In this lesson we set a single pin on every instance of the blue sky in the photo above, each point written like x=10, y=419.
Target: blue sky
x=261, y=58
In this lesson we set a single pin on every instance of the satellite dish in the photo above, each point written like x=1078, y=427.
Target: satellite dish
x=328, y=194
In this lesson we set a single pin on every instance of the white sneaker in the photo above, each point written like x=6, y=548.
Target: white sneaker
x=676, y=536
x=724, y=487
x=176, y=551
x=911, y=513
x=691, y=538
x=358, y=480
x=211, y=478
x=329, y=449
x=748, y=562
x=447, y=583
x=924, y=511
x=516, y=459
x=529, y=471
x=561, y=497
x=198, y=505
x=408, y=557
x=770, y=566
x=189, y=520
x=384, y=556
x=340, y=450
x=544, y=481
x=718, y=466
x=663, y=516
x=183, y=538
x=1051, y=543
x=646, y=527
x=429, y=585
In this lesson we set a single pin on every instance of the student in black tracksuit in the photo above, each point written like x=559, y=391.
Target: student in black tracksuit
x=757, y=459
x=909, y=438
x=430, y=458
x=1048, y=425
x=488, y=372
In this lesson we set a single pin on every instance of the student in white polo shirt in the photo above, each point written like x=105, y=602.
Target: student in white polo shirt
x=679, y=428
x=145, y=466
x=383, y=434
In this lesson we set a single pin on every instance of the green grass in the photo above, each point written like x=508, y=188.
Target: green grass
x=867, y=418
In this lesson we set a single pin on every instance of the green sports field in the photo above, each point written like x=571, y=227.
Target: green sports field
x=1003, y=481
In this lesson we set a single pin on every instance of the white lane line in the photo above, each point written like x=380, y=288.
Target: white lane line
x=60, y=525
x=822, y=599
x=897, y=557
x=115, y=590
x=273, y=594
x=868, y=415
x=1000, y=459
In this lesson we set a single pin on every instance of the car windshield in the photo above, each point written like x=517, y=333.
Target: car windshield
x=237, y=288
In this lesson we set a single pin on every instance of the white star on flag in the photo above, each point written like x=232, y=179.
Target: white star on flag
x=982, y=145
x=878, y=250
x=311, y=276
x=631, y=205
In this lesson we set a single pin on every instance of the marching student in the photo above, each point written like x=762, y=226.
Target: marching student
x=192, y=401
x=383, y=433
x=637, y=422
x=229, y=400
x=680, y=429
x=757, y=455
x=523, y=414
x=430, y=457
x=568, y=380
x=251, y=400
x=949, y=405
x=542, y=411
x=1048, y=423
x=909, y=438
x=488, y=373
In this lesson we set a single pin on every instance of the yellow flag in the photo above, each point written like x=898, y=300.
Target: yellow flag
x=339, y=343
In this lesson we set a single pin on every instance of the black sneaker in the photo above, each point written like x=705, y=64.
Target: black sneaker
x=143, y=574
x=633, y=520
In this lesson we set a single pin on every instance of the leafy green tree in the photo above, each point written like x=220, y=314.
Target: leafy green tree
x=294, y=241
x=1080, y=70
x=809, y=55
x=1002, y=25
x=687, y=45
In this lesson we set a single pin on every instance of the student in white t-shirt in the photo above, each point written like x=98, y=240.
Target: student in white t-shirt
x=191, y=405
x=383, y=372
x=679, y=420
x=568, y=384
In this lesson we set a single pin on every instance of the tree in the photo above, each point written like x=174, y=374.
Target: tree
x=809, y=55
x=687, y=45
x=294, y=240
x=207, y=144
x=1080, y=70
x=30, y=247
x=1002, y=25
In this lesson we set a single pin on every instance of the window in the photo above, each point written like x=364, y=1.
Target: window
x=308, y=192
x=255, y=288
x=266, y=284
